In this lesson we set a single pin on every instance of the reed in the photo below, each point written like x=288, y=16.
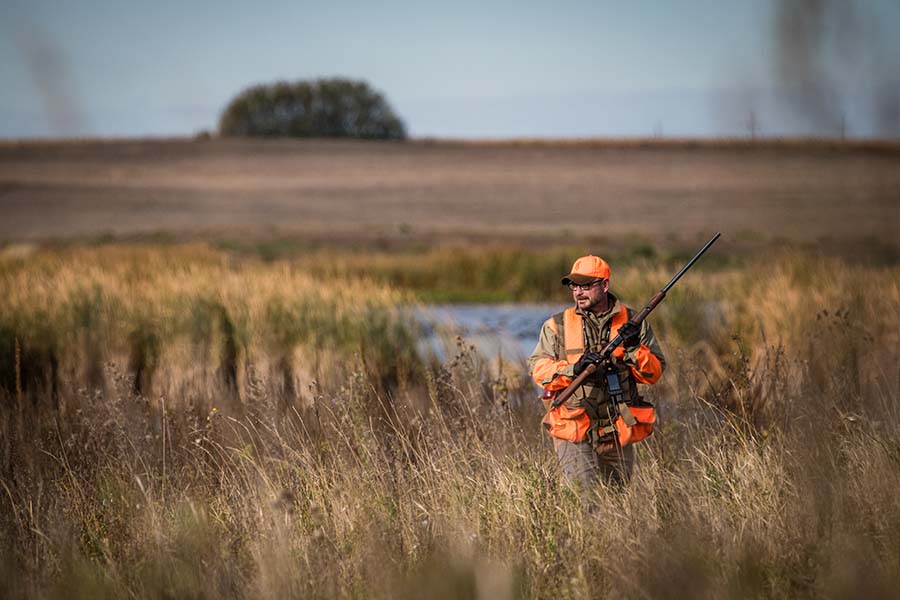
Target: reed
x=285, y=440
x=193, y=313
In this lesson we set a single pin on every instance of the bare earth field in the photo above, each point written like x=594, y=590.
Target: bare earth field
x=342, y=190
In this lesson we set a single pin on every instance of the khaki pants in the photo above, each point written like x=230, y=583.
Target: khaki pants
x=582, y=465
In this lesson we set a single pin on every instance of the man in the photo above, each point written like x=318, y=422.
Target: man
x=592, y=429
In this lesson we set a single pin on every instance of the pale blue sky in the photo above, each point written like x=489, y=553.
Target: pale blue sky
x=450, y=69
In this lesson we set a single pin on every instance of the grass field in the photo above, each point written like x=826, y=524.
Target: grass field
x=201, y=396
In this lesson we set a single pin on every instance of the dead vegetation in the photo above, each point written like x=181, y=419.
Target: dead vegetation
x=178, y=422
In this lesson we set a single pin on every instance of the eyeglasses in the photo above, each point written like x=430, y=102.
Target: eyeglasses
x=584, y=287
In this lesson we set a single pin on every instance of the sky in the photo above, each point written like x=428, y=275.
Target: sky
x=462, y=69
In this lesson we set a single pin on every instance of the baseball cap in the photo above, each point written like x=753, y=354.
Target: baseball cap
x=587, y=269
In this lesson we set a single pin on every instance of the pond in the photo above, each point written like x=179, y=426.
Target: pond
x=509, y=331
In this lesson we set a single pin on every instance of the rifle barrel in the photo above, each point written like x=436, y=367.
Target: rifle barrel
x=691, y=262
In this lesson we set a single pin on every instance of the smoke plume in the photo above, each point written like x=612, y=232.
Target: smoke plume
x=48, y=66
x=832, y=56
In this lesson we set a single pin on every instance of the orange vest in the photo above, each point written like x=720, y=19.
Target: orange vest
x=571, y=421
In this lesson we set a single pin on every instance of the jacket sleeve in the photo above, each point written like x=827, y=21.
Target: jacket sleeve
x=647, y=361
x=547, y=369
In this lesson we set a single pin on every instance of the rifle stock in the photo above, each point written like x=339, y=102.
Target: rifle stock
x=637, y=320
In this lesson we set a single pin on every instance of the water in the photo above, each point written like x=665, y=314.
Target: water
x=507, y=330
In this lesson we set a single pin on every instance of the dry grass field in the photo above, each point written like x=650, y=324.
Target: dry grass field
x=210, y=385
x=177, y=423
x=357, y=192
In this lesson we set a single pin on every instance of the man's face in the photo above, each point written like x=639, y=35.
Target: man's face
x=592, y=297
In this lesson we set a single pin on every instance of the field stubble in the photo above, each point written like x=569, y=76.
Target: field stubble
x=180, y=422
x=345, y=193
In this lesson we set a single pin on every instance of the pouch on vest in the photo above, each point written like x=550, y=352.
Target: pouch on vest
x=564, y=423
x=644, y=418
x=633, y=422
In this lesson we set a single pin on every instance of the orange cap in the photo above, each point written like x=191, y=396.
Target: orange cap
x=587, y=269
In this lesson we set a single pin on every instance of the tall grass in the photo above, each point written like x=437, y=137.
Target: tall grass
x=340, y=466
x=464, y=273
x=205, y=320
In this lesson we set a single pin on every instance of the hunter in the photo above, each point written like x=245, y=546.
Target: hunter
x=594, y=429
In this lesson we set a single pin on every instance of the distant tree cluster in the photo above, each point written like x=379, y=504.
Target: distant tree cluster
x=318, y=108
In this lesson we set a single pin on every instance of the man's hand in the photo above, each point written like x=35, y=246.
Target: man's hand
x=631, y=336
x=590, y=358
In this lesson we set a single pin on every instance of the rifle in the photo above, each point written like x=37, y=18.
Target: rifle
x=637, y=320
